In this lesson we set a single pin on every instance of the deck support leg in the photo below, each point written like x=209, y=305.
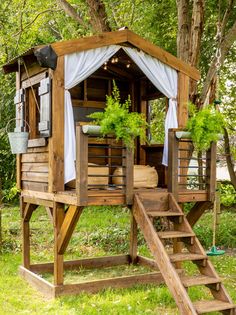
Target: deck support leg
x=26, y=244
x=133, y=239
x=58, y=216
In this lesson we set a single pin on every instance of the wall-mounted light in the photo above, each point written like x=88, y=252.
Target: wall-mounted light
x=128, y=65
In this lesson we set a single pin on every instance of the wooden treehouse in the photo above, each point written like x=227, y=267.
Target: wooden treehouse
x=57, y=87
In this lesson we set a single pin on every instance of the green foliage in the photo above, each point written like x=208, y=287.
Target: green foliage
x=156, y=120
x=205, y=126
x=116, y=119
x=11, y=194
x=226, y=232
x=227, y=194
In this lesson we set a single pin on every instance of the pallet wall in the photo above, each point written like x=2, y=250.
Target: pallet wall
x=34, y=169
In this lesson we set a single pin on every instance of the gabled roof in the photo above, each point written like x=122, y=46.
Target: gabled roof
x=123, y=37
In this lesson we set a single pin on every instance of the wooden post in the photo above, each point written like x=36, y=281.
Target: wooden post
x=211, y=171
x=56, y=141
x=18, y=156
x=133, y=239
x=173, y=164
x=81, y=166
x=183, y=98
x=128, y=162
x=58, y=217
x=25, y=236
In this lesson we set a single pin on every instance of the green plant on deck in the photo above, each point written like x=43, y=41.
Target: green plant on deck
x=205, y=126
x=116, y=119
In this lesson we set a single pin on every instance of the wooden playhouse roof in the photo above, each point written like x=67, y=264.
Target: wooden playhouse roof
x=121, y=37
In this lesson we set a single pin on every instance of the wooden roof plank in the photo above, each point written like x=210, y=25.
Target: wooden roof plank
x=162, y=55
x=116, y=38
x=86, y=43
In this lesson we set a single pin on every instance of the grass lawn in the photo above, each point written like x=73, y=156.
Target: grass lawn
x=101, y=231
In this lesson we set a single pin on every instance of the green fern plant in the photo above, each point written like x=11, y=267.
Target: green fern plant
x=205, y=126
x=116, y=119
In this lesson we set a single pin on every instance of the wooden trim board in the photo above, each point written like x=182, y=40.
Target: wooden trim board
x=86, y=263
x=118, y=282
x=43, y=286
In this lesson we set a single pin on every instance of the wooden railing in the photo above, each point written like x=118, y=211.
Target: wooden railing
x=104, y=153
x=188, y=170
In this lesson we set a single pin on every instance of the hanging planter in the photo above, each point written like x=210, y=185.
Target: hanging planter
x=18, y=140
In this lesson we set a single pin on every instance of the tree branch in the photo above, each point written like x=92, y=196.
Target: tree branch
x=225, y=46
x=229, y=161
x=70, y=11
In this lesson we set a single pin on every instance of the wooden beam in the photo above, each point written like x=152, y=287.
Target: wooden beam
x=128, y=162
x=183, y=99
x=56, y=141
x=133, y=239
x=58, y=216
x=86, y=263
x=43, y=286
x=49, y=211
x=173, y=164
x=34, y=143
x=81, y=166
x=28, y=211
x=68, y=226
x=162, y=55
x=197, y=211
x=118, y=282
x=76, y=45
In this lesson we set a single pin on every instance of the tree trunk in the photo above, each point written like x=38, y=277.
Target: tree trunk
x=197, y=26
x=229, y=161
x=183, y=30
x=98, y=15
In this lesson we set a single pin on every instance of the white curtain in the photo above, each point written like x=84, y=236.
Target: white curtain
x=78, y=67
x=165, y=80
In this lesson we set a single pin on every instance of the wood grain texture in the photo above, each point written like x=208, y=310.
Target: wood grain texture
x=43, y=286
x=58, y=218
x=67, y=227
x=56, y=141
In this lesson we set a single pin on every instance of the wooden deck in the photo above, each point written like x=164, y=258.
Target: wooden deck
x=102, y=197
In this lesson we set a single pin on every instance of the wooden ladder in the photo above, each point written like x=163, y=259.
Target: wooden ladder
x=151, y=205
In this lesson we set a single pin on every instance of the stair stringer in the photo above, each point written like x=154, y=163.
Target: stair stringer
x=166, y=268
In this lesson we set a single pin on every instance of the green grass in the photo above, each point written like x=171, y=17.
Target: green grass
x=101, y=231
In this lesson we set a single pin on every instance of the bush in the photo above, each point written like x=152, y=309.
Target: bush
x=227, y=194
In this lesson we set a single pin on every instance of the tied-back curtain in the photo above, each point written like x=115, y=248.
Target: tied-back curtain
x=165, y=80
x=78, y=67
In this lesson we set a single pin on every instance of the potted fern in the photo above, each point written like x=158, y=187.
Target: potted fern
x=203, y=127
x=116, y=119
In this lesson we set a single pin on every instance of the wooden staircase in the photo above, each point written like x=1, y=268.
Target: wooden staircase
x=161, y=210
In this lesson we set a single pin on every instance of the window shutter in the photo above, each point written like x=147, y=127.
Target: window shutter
x=45, y=107
x=19, y=101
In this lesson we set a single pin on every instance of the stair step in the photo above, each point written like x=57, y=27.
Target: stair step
x=198, y=280
x=164, y=214
x=212, y=306
x=186, y=257
x=174, y=234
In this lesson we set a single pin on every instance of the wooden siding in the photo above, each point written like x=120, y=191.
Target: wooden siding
x=34, y=169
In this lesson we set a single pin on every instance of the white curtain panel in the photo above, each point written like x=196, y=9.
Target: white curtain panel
x=165, y=80
x=78, y=67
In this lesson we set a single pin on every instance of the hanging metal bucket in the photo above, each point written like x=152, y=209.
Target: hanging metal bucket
x=18, y=140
